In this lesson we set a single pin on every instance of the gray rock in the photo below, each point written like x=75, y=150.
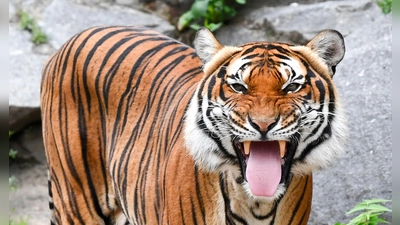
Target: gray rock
x=20, y=117
x=33, y=8
x=276, y=23
x=25, y=69
x=29, y=144
x=30, y=201
x=62, y=19
x=127, y=2
x=24, y=79
x=12, y=12
x=309, y=20
x=179, y=6
x=244, y=32
x=92, y=2
x=43, y=49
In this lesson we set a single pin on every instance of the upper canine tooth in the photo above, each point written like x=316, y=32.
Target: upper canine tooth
x=246, y=146
x=282, y=148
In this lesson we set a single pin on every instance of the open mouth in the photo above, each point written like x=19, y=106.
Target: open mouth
x=264, y=164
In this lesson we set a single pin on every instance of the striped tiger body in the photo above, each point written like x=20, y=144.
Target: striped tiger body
x=141, y=129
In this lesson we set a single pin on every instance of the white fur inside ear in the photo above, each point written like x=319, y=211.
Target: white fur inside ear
x=206, y=44
x=329, y=45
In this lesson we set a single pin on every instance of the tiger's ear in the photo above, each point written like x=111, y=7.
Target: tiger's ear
x=329, y=45
x=206, y=44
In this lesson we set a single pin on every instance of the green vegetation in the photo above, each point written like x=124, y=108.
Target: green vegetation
x=209, y=13
x=27, y=23
x=12, y=153
x=12, y=186
x=386, y=6
x=213, y=13
x=21, y=221
x=370, y=213
x=12, y=181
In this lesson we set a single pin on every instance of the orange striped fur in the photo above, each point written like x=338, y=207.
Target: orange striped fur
x=117, y=105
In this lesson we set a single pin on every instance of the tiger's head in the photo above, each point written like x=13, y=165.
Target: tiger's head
x=266, y=111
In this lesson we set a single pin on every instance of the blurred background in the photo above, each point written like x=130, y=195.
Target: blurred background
x=396, y=111
x=37, y=28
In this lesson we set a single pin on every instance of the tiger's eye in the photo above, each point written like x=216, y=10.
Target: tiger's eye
x=292, y=87
x=238, y=88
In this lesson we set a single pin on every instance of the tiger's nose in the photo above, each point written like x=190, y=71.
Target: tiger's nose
x=262, y=125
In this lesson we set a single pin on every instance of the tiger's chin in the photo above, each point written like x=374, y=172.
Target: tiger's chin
x=279, y=192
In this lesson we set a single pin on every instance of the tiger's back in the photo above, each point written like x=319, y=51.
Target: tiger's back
x=113, y=103
x=100, y=97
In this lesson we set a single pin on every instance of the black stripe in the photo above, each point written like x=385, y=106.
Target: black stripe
x=280, y=56
x=253, y=48
x=299, y=201
x=83, y=137
x=199, y=195
x=305, y=215
x=251, y=56
x=89, y=58
x=193, y=209
x=266, y=216
x=76, y=56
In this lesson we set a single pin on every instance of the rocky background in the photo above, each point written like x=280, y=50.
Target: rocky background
x=363, y=79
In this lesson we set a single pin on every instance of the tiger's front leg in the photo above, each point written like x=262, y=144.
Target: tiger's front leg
x=79, y=194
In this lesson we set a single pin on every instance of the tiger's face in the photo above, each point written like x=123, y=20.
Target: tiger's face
x=265, y=111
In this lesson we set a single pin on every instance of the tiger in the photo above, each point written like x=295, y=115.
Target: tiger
x=140, y=128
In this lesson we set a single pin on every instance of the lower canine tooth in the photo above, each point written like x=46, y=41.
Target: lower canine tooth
x=246, y=146
x=282, y=148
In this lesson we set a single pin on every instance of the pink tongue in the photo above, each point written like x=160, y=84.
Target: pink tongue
x=263, y=170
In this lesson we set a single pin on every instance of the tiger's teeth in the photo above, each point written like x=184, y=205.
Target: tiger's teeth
x=282, y=148
x=246, y=146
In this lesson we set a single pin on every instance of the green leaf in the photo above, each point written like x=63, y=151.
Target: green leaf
x=184, y=20
x=375, y=200
x=386, y=6
x=25, y=21
x=214, y=26
x=370, y=205
x=230, y=11
x=377, y=208
x=195, y=26
x=358, y=220
x=12, y=153
x=380, y=220
x=371, y=210
x=212, y=13
x=356, y=208
x=38, y=37
x=12, y=183
x=374, y=219
x=199, y=8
